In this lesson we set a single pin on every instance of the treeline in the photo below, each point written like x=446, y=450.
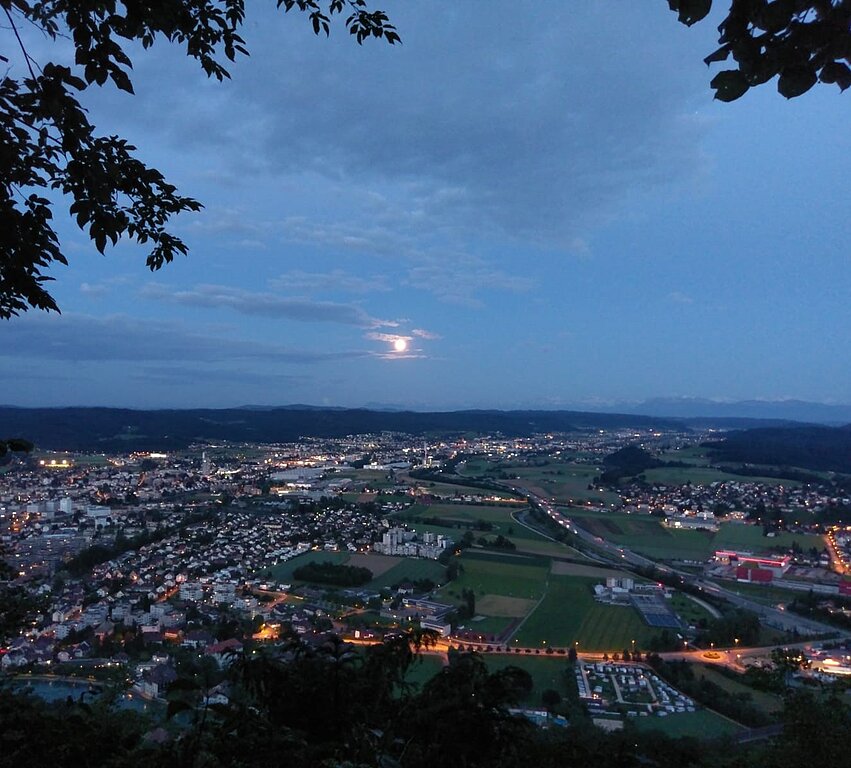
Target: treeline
x=334, y=705
x=333, y=573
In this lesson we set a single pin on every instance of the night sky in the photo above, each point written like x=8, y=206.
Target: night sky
x=523, y=205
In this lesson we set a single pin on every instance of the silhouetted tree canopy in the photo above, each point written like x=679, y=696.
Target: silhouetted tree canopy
x=48, y=145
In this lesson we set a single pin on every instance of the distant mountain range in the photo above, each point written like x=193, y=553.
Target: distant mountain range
x=695, y=407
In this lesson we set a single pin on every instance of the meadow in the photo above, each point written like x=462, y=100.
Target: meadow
x=646, y=534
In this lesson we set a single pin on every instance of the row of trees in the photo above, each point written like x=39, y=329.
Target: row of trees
x=336, y=706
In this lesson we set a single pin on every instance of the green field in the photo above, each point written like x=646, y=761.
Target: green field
x=283, y=573
x=701, y=725
x=569, y=614
x=500, y=575
x=647, y=535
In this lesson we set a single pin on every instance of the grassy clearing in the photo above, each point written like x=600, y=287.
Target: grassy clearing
x=425, y=667
x=546, y=672
x=688, y=610
x=761, y=593
x=701, y=725
x=769, y=703
x=569, y=614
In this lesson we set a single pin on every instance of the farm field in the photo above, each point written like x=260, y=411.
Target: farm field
x=563, y=480
x=499, y=516
x=546, y=672
x=569, y=614
x=499, y=575
x=646, y=534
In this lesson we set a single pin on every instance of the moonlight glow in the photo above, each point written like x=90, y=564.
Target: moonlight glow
x=400, y=345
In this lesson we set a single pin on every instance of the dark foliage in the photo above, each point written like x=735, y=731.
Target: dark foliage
x=333, y=573
x=801, y=42
x=817, y=448
x=122, y=429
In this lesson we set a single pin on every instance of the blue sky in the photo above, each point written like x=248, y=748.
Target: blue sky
x=549, y=209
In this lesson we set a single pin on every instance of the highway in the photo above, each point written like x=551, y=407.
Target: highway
x=605, y=551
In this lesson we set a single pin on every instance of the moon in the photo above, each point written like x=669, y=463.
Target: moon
x=400, y=345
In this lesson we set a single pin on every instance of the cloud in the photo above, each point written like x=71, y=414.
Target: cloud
x=335, y=280
x=83, y=338
x=390, y=338
x=178, y=375
x=538, y=132
x=474, y=130
x=423, y=334
x=462, y=278
x=104, y=287
x=259, y=304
